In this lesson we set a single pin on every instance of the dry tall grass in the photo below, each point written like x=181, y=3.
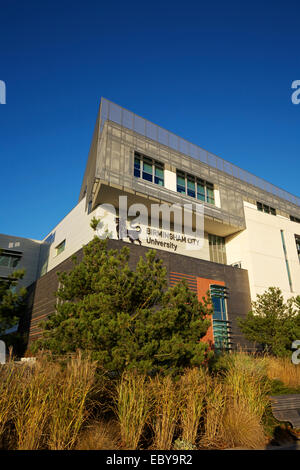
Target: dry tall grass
x=246, y=381
x=32, y=404
x=193, y=389
x=99, y=435
x=166, y=411
x=240, y=426
x=246, y=393
x=7, y=395
x=44, y=405
x=214, y=412
x=68, y=400
x=284, y=370
x=132, y=407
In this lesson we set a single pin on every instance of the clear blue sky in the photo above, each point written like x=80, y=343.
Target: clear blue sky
x=217, y=73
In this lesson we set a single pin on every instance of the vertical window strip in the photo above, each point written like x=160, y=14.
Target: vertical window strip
x=220, y=322
x=191, y=186
x=217, y=251
x=286, y=260
x=210, y=198
x=159, y=175
x=147, y=171
x=297, y=239
x=200, y=190
x=137, y=167
x=180, y=183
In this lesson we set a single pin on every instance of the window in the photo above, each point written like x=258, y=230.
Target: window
x=210, y=193
x=200, y=190
x=286, y=260
x=180, y=182
x=9, y=259
x=297, y=239
x=195, y=187
x=217, y=252
x=218, y=300
x=220, y=323
x=50, y=239
x=148, y=169
x=294, y=219
x=191, y=186
x=60, y=248
x=264, y=208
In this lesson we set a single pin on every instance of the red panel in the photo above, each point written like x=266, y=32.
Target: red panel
x=203, y=285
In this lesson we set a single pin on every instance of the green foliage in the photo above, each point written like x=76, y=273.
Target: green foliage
x=12, y=302
x=279, y=388
x=180, y=444
x=273, y=323
x=126, y=318
x=94, y=223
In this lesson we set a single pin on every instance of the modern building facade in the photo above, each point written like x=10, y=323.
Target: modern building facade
x=17, y=253
x=251, y=229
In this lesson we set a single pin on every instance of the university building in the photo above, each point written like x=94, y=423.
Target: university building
x=251, y=228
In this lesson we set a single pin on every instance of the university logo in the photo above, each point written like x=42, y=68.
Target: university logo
x=2, y=92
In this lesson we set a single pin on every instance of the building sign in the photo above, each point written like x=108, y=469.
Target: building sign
x=138, y=231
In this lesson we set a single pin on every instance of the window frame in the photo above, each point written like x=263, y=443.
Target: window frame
x=294, y=219
x=12, y=257
x=261, y=207
x=193, y=190
x=58, y=251
x=140, y=160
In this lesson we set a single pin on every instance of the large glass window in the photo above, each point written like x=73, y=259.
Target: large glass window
x=220, y=323
x=218, y=301
x=195, y=187
x=9, y=260
x=148, y=169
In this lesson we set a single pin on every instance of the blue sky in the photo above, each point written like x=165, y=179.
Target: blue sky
x=217, y=74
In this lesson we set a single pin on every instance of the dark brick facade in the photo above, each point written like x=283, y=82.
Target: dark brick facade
x=235, y=279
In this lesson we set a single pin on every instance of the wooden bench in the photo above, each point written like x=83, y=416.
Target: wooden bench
x=286, y=408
